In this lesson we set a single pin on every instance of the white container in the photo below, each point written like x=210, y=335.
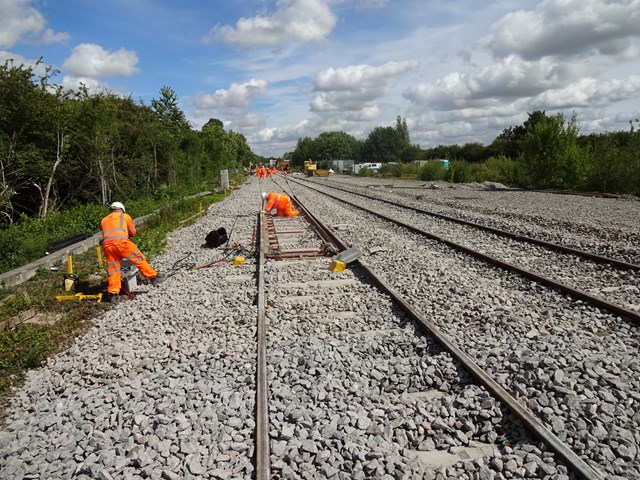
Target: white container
x=128, y=277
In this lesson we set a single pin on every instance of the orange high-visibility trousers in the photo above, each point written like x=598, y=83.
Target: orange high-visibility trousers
x=287, y=210
x=120, y=250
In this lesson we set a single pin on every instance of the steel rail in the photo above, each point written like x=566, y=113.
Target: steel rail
x=263, y=463
x=504, y=233
x=579, y=466
x=549, y=282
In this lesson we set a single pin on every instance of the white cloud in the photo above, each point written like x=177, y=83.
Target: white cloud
x=17, y=59
x=567, y=27
x=232, y=106
x=509, y=79
x=20, y=21
x=239, y=95
x=93, y=85
x=589, y=93
x=363, y=77
x=352, y=92
x=49, y=36
x=294, y=20
x=92, y=61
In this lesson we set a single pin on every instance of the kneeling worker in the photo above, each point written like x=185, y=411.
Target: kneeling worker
x=281, y=202
x=116, y=228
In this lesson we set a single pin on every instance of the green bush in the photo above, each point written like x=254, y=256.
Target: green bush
x=432, y=171
x=365, y=172
x=30, y=238
x=399, y=170
x=500, y=169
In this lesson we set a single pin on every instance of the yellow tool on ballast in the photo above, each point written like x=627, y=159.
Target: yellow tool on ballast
x=79, y=297
x=99, y=253
x=70, y=280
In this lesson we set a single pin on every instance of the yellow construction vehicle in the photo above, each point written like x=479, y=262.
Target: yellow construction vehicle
x=312, y=170
x=309, y=168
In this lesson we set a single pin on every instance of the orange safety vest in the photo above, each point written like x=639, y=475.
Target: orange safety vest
x=117, y=226
x=277, y=200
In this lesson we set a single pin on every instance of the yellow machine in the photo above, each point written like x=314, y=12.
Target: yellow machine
x=309, y=168
x=79, y=297
x=70, y=280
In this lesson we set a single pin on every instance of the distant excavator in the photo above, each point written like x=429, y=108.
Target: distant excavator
x=311, y=170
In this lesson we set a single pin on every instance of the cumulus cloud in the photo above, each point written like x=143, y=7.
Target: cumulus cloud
x=89, y=64
x=589, y=93
x=20, y=20
x=92, y=61
x=507, y=80
x=567, y=27
x=93, y=85
x=352, y=91
x=237, y=96
x=294, y=20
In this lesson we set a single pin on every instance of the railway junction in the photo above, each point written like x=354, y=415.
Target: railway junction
x=475, y=334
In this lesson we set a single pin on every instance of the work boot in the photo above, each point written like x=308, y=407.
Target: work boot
x=111, y=298
x=157, y=280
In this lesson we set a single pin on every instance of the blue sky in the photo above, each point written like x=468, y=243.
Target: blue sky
x=277, y=71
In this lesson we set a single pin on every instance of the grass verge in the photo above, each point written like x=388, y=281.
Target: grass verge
x=34, y=325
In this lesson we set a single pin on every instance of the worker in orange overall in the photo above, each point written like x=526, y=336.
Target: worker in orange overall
x=281, y=202
x=116, y=228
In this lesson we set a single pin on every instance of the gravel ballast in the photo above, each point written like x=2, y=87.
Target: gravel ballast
x=164, y=386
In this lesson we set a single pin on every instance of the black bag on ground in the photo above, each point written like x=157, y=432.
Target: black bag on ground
x=215, y=238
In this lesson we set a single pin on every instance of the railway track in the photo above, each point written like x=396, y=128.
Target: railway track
x=277, y=367
x=611, y=238
x=295, y=336
x=608, y=283
x=522, y=334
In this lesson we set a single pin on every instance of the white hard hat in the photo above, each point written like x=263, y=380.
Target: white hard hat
x=264, y=195
x=116, y=206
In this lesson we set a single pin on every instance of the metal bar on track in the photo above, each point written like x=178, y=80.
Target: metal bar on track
x=263, y=464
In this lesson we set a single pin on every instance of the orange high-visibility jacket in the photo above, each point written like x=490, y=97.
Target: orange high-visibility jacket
x=117, y=226
x=277, y=200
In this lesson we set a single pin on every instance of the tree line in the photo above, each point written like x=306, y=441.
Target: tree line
x=545, y=152
x=61, y=148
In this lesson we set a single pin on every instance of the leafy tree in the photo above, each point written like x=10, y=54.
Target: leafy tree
x=214, y=123
x=411, y=153
x=551, y=152
x=27, y=140
x=613, y=161
x=384, y=144
x=509, y=142
x=474, y=152
x=303, y=152
x=334, y=146
x=403, y=130
x=167, y=109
